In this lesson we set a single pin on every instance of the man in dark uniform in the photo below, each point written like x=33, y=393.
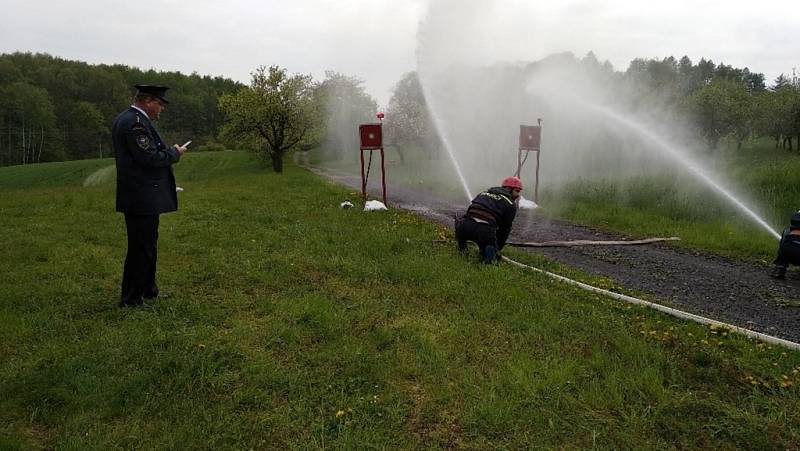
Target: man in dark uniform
x=788, y=249
x=488, y=219
x=145, y=188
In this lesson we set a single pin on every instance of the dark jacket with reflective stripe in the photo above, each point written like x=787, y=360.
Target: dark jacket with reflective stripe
x=497, y=207
x=145, y=181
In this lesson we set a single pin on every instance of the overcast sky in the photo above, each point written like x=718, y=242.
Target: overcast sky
x=376, y=40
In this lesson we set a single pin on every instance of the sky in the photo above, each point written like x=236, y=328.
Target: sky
x=377, y=40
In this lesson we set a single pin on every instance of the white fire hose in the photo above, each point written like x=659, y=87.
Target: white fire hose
x=667, y=310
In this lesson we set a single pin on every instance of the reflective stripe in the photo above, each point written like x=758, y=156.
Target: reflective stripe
x=497, y=197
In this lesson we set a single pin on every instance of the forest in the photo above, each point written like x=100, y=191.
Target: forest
x=52, y=109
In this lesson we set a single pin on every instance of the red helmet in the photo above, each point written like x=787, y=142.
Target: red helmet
x=513, y=182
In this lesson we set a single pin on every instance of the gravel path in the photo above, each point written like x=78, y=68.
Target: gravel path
x=721, y=288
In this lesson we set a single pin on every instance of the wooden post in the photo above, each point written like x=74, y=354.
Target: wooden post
x=383, y=178
x=536, y=187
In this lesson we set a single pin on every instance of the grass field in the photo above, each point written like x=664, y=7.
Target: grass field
x=295, y=324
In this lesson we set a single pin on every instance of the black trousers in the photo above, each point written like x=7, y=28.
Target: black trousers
x=139, y=273
x=482, y=234
x=788, y=252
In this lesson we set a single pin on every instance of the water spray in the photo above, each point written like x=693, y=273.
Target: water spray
x=683, y=159
x=443, y=135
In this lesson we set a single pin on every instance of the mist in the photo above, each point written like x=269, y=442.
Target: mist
x=485, y=70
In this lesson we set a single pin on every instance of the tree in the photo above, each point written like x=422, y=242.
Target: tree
x=346, y=105
x=275, y=114
x=408, y=122
x=754, y=82
x=780, y=111
x=653, y=83
x=29, y=117
x=787, y=118
x=782, y=82
x=86, y=132
x=722, y=108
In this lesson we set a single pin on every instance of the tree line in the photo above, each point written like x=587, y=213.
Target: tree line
x=723, y=102
x=52, y=109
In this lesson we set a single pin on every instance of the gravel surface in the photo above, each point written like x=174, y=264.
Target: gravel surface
x=725, y=289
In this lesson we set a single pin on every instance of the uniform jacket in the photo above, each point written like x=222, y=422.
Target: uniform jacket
x=145, y=181
x=496, y=206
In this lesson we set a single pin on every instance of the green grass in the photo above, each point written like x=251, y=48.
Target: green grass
x=295, y=324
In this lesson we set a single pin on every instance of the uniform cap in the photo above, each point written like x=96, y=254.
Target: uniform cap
x=153, y=90
x=512, y=182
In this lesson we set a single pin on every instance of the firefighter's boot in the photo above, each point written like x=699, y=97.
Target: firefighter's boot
x=778, y=272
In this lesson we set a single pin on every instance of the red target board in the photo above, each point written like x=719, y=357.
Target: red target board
x=530, y=137
x=371, y=136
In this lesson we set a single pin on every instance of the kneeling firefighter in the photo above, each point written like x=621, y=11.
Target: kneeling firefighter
x=488, y=220
x=789, y=248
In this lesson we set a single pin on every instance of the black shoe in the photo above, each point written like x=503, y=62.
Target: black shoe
x=151, y=292
x=490, y=255
x=131, y=302
x=778, y=272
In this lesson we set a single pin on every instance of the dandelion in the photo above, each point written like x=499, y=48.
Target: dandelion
x=339, y=413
